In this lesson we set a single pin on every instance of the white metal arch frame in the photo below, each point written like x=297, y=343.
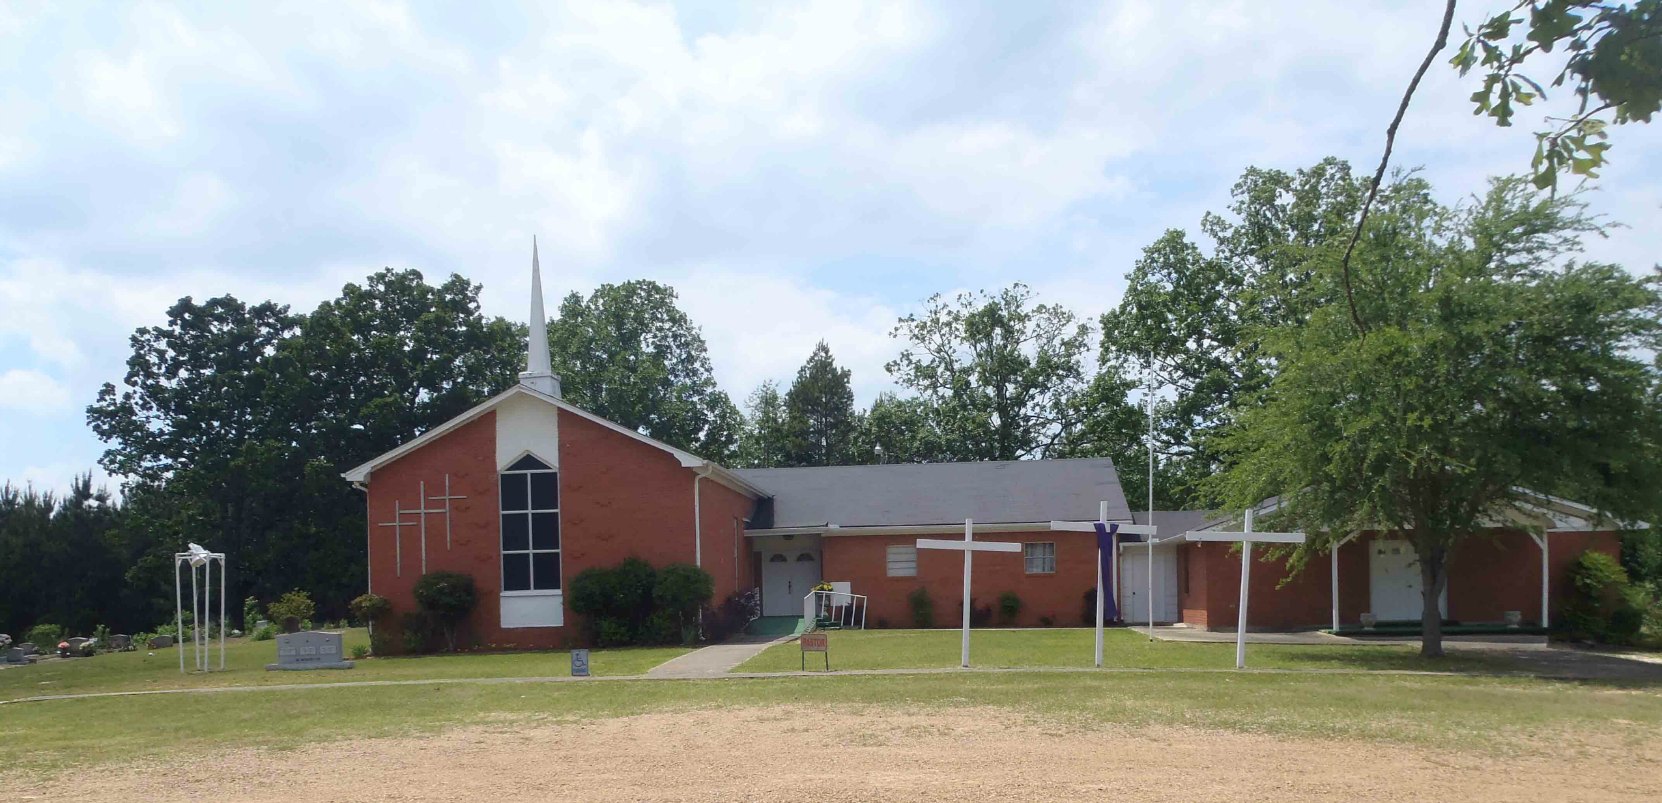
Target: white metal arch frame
x=201, y=599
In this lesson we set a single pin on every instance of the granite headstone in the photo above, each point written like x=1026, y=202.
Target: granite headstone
x=159, y=642
x=310, y=649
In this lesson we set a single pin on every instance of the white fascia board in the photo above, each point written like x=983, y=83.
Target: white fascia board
x=1262, y=538
x=837, y=531
x=686, y=459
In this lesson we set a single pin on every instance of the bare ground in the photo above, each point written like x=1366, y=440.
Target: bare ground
x=876, y=754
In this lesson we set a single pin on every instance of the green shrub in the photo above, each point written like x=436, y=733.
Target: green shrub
x=370, y=607
x=417, y=630
x=360, y=651
x=266, y=633
x=1009, y=607
x=45, y=636
x=680, y=592
x=613, y=632
x=1602, y=604
x=621, y=593
x=923, y=608
x=296, y=603
x=250, y=613
x=448, y=598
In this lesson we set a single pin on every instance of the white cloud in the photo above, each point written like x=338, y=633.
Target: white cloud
x=32, y=392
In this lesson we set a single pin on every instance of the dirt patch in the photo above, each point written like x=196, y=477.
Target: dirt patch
x=870, y=754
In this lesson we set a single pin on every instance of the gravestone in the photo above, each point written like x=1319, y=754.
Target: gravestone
x=75, y=643
x=15, y=655
x=121, y=642
x=29, y=648
x=159, y=642
x=310, y=649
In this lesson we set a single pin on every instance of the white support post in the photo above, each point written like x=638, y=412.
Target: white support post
x=1150, y=601
x=179, y=612
x=1102, y=516
x=222, y=614
x=969, y=560
x=1546, y=579
x=1333, y=557
x=196, y=625
x=1246, y=583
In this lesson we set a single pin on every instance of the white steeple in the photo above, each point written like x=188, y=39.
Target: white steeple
x=538, y=374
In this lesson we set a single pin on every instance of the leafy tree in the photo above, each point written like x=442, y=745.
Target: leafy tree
x=1494, y=363
x=999, y=374
x=820, y=424
x=1608, y=54
x=447, y=598
x=1196, y=313
x=628, y=353
x=899, y=429
x=762, y=441
x=61, y=563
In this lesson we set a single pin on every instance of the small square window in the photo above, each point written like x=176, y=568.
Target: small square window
x=903, y=561
x=515, y=533
x=545, y=493
x=514, y=495
x=545, y=571
x=516, y=572
x=545, y=531
x=1039, y=557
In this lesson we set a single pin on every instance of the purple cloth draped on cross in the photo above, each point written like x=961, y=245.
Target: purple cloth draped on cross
x=1108, y=539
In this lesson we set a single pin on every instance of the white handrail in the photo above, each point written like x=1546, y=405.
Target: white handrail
x=849, y=614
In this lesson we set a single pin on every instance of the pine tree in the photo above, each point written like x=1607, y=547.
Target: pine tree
x=820, y=424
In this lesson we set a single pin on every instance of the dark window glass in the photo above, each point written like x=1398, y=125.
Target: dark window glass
x=529, y=463
x=516, y=572
x=778, y=559
x=545, y=567
x=545, y=531
x=514, y=496
x=545, y=494
x=514, y=534
x=804, y=558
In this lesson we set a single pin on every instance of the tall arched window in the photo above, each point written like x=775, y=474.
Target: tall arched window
x=530, y=507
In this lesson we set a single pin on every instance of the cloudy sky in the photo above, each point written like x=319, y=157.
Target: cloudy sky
x=797, y=172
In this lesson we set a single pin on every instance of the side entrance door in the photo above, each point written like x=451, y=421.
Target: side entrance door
x=787, y=577
x=1134, y=584
x=1394, y=582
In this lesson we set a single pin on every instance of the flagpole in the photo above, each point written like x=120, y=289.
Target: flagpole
x=1151, y=495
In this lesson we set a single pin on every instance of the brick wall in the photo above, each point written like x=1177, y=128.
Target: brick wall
x=862, y=560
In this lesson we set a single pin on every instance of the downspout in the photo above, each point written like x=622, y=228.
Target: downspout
x=698, y=516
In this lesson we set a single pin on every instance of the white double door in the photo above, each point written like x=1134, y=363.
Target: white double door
x=787, y=576
x=1394, y=582
x=1134, y=592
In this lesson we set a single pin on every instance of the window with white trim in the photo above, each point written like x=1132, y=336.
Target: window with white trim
x=530, y=505
x=903, y=561
x=1039, y=557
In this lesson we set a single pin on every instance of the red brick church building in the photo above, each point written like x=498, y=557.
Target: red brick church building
x=526, y=490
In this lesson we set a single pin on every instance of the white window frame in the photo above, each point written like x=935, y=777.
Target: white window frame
x=530, y=540
x=1030, y=552
x=890, y=556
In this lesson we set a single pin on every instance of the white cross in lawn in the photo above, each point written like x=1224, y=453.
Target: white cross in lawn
x=1247, y=537
x=1146, y=533
x=969, y=546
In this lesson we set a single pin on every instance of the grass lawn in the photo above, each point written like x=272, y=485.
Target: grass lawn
x=1073, y=647
x=245, y=666
x=1498, y=714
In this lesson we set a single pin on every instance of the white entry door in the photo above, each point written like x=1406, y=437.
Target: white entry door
x=787, y=577
x=1134, y=584
x=1394, y=582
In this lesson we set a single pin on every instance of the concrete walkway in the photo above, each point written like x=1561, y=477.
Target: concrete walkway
x=716, y=660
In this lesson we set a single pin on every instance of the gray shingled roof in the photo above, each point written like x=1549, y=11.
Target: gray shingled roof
x=1175, y=522
x=938, y=493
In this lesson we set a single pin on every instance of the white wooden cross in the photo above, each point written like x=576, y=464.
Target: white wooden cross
x=446, y=499
x=397, y=524
x=969, y=546
x=1247, y=538
x=1145, y=530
